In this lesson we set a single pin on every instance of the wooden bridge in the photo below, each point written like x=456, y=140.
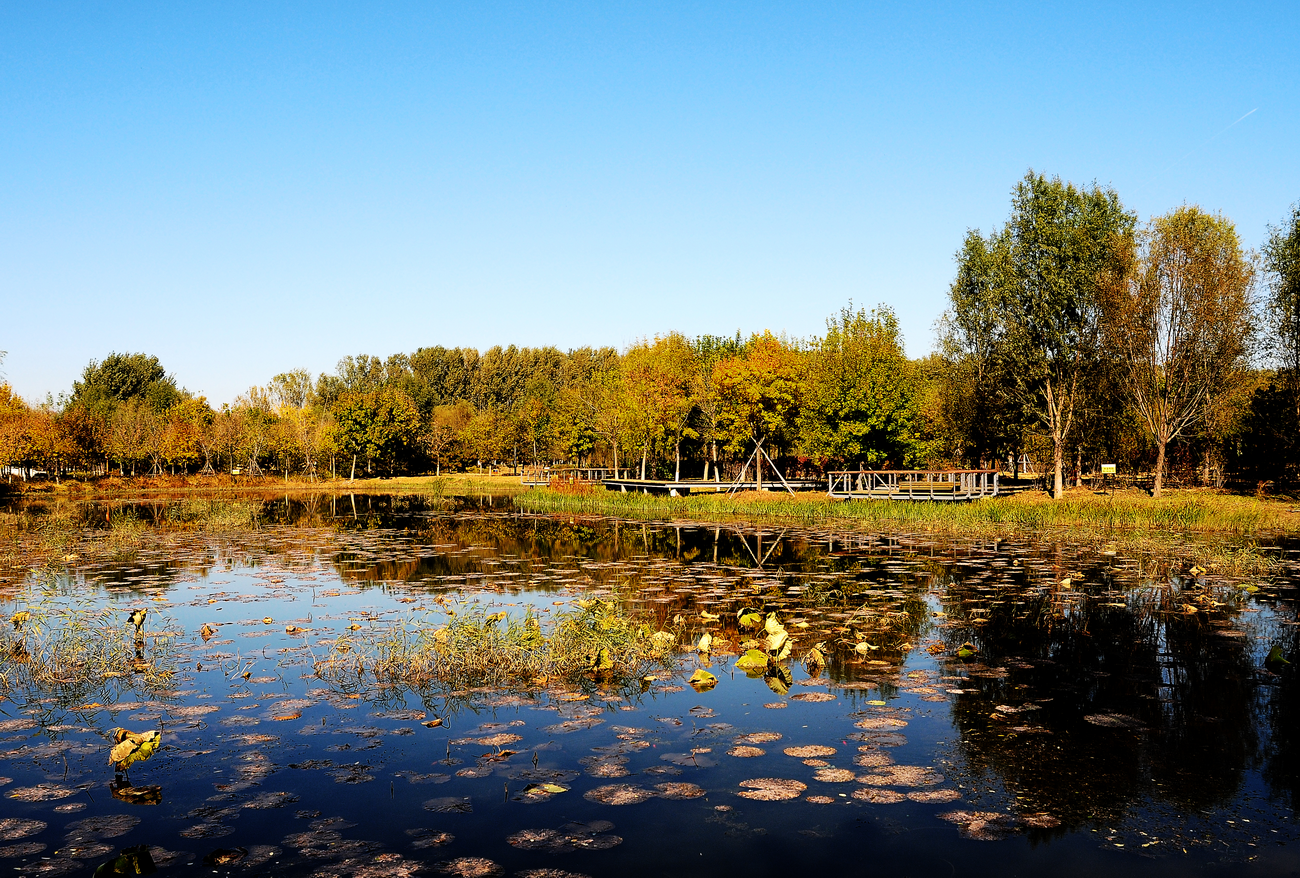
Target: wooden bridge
x=536, y=475
x=686, y=487
x=954, y=484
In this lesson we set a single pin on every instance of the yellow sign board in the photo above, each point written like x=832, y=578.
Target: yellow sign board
x=1108, y=469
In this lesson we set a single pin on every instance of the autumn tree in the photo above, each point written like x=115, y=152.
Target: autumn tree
x=1180, y=317
x=444, y=427
x=709, y=351
x=14, y=443
x=760, y=392
x=659, y=386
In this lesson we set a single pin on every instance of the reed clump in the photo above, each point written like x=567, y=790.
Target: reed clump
x=451, y=649
x=73, y=654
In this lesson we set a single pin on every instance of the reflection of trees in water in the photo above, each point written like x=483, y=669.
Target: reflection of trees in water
x=1184, y=706
x=1137, y=695
x=1281, y=709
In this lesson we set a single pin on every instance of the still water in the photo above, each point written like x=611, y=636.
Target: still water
x=1107, y=712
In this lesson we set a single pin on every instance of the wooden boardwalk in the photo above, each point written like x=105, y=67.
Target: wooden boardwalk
x=943, y=485
x=540, y=476
x=686, y=487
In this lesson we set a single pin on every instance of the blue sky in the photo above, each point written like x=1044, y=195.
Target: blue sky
x=243, y=189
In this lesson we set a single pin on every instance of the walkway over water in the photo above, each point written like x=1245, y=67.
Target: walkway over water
x=954, y=484
x=685, y=487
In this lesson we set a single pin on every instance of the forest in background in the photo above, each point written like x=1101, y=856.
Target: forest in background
x=1074, y=336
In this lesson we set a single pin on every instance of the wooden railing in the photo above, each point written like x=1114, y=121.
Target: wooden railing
x=954, y=484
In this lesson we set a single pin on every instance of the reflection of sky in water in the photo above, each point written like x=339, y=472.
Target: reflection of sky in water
x=1099, y=704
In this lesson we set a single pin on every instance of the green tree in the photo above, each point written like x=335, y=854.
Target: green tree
x=860, y=404
x=982, y=407
x=380, y=425
x=121, y=377
x=1282, y=263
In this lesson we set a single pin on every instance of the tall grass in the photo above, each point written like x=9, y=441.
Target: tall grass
x=1201, y=512
x=469, y=647
x=69, y=654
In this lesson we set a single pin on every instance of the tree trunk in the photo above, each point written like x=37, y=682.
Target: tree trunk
x=677, y=450
x=1058, y=467
x=1159, y=483
x=1078, y=467
x=643, y=457
x=353, y=477
x=758, y=466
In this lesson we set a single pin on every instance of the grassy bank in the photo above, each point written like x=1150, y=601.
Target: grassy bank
x=226, y=485
x=1135, y=512
x=1223, y=527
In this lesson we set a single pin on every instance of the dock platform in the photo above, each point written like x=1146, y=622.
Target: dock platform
x=938, y=485
x=686, y=487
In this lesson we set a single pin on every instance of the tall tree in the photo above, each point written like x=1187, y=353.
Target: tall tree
x=983, y=408
x=1181, y=320
x=1282, y=262
x=1278, y=425
x=121, y=377
x=1047, y=267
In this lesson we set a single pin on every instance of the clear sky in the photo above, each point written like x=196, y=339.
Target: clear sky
x=247, y=188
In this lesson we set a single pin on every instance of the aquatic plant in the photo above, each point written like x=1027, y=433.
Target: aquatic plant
x=468, y=646
x=79, y=652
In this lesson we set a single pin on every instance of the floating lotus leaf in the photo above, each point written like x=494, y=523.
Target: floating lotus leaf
x=771, y=789
x=470, y=867
x=702, y=680
x=809, y=751
x=619, y=794
x=752, y=660
x=133, y=747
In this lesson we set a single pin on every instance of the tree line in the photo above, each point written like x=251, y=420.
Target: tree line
x=1074, y=335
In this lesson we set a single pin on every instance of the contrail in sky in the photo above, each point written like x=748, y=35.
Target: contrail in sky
x=1207, y=143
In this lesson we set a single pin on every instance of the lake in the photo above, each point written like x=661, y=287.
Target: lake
x=1011, y=707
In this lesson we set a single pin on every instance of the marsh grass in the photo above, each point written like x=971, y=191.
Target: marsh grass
x=1227, y=528
x=455, y=649
x=69, y=654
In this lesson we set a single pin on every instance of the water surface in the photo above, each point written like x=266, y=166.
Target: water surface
x=1114, y=714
